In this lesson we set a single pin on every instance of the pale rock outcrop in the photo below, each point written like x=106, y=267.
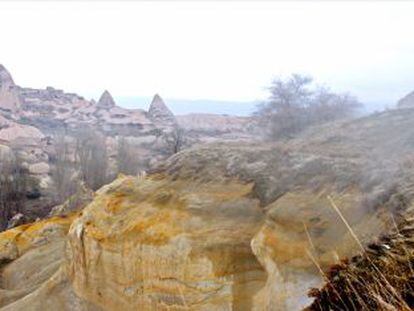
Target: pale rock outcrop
x=10, y=101
x=6, y=79
x=31, y=118
x=39, y=168
x=16, y=220
x=213, y=122
x=23, y=135
x=407, y=101
x=106, y=101
x=5, y=152
x=159, y=113
x=204, y=127
x=4, y=122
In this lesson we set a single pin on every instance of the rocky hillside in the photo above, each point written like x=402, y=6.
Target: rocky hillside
x=33, y=120
x=212, y=127
x=242, y=226
x=407, y=101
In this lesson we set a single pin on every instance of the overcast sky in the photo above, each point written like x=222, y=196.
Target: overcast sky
x=214, y=50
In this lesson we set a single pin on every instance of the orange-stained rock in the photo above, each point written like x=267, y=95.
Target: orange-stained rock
x=17, y=241
x=153, y=244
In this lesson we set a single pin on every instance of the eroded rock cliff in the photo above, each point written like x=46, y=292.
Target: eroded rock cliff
x=10, y=101
x=37, y=124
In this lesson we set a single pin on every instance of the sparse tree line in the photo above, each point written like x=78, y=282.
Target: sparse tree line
x=89, y=162
x=296, y=103
x=82, y=157
x=16, y=187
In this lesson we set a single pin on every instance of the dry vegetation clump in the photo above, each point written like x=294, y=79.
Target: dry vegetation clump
x=382, y=278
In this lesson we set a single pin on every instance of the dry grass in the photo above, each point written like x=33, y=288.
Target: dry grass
x=380, y=278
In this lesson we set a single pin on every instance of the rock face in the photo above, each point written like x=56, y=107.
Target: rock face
x=106, y=101
x=32, y=120
x=82, y=197
x=16, y=220
x=212, y=122
x=242, y=226
x=212, y=127
x=9, y=97
x=39, y=249
x=6, y=79
x=407, y=101
x=184, y=248
x=14, y=133
x=159, y=113
x=51, y=109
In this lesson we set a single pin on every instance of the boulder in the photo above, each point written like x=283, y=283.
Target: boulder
x=21, y=134
x=187, y=250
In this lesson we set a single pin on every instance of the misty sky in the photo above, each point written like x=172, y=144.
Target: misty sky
x=209, y=50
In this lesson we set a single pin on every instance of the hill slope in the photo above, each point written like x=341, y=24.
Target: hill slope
x=221, y=226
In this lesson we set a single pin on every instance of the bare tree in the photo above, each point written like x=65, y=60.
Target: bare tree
x=282, y=115
x=328, y=106
x=91, y=158
x=126, y=157
x=15, y=184
x=62, y=171
x=175, y=140
x=294, y=104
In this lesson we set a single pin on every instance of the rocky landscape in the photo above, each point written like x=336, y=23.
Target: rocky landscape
x=219, y=226
x=227, y=222
x=33, y=120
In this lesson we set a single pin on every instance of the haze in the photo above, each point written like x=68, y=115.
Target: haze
x=226, y=51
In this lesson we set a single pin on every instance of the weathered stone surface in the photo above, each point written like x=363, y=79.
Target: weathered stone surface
x=187, y=250
x=76, y=202
x=407, y=101
x=23, y=134
x=106, y=101
x=41, y=113
x=5, y=152
x=9, y=97
x=34, y=280
x=213, y=123
x=16, y=242
x=39, y=168
x=16, y=220
x=6, y=79
x=159, y=113
x=241, y=226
